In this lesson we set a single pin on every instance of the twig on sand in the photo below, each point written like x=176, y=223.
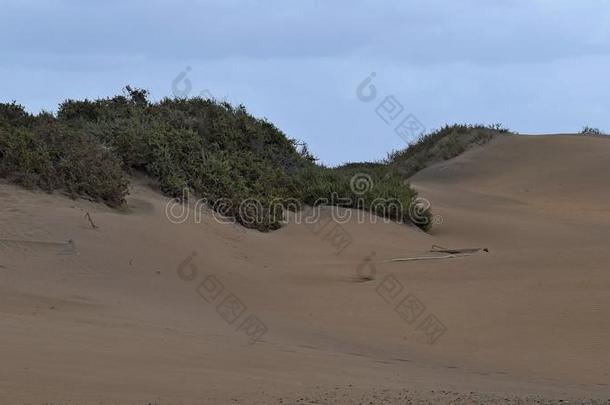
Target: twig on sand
x=68, y=248
x=37, y=242
x=411, y=259
x=88, y=216
x=439, y=249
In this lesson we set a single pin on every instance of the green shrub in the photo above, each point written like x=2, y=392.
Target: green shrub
x=443, y=144
x=587, y=130
x=208, y=149
x=14, y=115
x=49, y=156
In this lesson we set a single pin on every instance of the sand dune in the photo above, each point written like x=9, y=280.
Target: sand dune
x=128, y=320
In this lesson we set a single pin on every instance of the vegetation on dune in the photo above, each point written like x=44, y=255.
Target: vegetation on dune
x=212, y=149
x=587, y=130
x=443, y=144
x=40, y=151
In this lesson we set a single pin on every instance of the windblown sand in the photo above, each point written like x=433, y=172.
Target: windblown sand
x=127, y=319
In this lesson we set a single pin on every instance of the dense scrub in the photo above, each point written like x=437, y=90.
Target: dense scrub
x=213, y=150
x=40, y=151
x=443, y=144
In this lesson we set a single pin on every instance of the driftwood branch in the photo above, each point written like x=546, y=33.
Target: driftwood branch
x=412, y=259
x=67, y=248
x=88, y=216
x=440, y=249
x=452, y=253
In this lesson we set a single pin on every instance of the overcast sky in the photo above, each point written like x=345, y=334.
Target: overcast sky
x=537, y=66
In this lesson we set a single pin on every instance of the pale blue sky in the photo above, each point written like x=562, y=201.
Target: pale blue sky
x=534, y=65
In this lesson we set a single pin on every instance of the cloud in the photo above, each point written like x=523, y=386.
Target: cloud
x=416, y=32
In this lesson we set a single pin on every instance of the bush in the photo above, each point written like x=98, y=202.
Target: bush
x=443, y=144
x=49, y=156
x=592, y=131
x=208, y=149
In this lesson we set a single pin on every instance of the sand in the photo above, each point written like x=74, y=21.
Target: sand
x=141, y=310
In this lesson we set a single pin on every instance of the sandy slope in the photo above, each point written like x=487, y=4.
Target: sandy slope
x=123, y=322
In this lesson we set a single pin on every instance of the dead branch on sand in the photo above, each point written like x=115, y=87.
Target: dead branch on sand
x=88, y=216
x=67, y=248
x=439, y=249
x=410, y=259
